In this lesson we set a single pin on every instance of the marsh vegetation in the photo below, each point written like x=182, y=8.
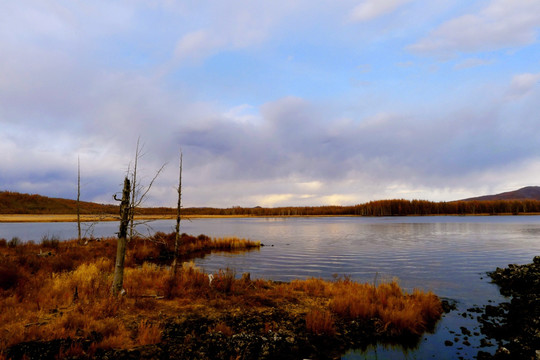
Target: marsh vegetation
x=56, y=296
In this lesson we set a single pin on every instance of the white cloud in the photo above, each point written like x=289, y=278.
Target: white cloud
x=244, y=114
x=523, y=84
x=502, y=24
x=197, y=44
x=371, y=9
x=230, y=25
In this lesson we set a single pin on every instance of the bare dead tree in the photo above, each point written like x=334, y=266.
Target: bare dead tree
x=118, y=280
x=178, y=212
x=138, y=154
x=87, y=228
x=79, y=198
x=138, y=191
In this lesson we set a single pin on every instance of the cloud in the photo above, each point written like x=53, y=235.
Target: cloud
x=472, y=62
x=244, y=114
x=254, y=128
x=523, y=84
x=198, y=44
x=230, y=25
x=371, y=9
x=502, y=24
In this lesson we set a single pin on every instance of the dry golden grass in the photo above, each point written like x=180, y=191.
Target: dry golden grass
x=75, y=301
x=148, y=333
x=400, y=313
x=320, y=322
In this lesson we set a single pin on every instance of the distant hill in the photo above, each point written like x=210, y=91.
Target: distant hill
x=17, y=203
x=526, y=193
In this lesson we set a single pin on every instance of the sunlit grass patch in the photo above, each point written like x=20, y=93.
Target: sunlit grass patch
x=148, y=333
x=320, y=322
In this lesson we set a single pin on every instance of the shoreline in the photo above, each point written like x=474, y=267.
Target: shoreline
x=68, y=311
x=37, y=218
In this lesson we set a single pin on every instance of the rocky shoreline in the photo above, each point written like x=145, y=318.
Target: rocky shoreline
x=514, y=325
x=248, y=335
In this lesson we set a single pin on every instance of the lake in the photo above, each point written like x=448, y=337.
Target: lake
x=449, y=255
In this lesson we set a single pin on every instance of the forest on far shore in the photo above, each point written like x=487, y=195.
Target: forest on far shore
x=18, y=203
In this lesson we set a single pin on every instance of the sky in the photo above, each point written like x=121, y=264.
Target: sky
x=272, y=103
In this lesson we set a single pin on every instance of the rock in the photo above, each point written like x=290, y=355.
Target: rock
x=485, y=343
x=516, y=323
x=483, y=355
x=448, y=305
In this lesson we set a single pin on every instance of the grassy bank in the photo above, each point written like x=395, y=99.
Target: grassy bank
x=61, y=290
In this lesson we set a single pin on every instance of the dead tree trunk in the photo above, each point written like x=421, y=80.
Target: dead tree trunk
x=121, y=244
x=134, y=191
x=79, y=198
x=178, y=211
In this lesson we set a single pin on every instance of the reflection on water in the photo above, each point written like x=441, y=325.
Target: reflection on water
x=448, y=255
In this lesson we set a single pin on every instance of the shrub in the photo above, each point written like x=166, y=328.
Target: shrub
x=14, y=242
x=63, y=262
x=50, y=242
x=223, y=281
x=8, y=276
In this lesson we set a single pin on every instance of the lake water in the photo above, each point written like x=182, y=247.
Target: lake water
x=449, y=255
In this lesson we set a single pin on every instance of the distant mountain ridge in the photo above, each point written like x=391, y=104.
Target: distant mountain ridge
x=526, y=193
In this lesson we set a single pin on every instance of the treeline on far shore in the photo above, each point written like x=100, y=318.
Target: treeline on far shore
x=384, y=208
x=16, y=203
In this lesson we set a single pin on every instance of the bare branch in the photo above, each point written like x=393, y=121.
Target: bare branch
x=142, y=197
x=138, y=191
x=79, y=198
